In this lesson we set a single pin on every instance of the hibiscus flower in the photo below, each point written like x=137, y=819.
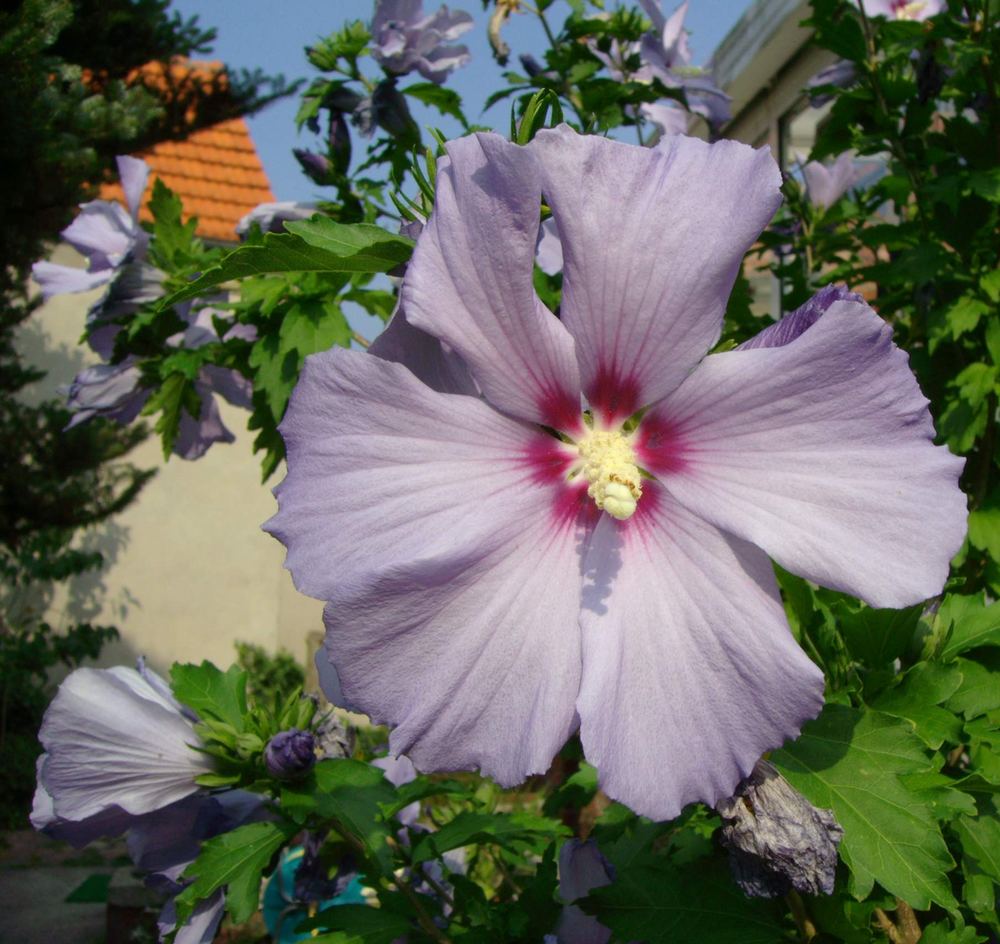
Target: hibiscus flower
x=527, y=525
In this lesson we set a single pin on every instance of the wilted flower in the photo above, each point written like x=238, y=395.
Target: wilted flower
x=902, y=9
x=290, y=754
x=404, y=40
x=826, y=184
x=492, y=585
x=777, y=839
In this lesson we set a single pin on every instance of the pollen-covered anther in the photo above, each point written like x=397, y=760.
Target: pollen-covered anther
x=609, y=466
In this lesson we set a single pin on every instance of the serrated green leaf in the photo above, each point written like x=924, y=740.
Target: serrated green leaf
x=445, y=100
x=420, y=789
x=984, y=525
x=990, y=284
x=349, y=791
x=476, y=828
x=211, y=692
x=358, y=924
x=980, y=838
x=876, y=637
x=979, y=891
x=943, y=932
x=316, y=245
x=964, y=314
x=654, y=901
x=986, y=183
x=940, y=793
x=971, y=621
x=235, y=859
x=851, y=761
x=916, y=698
x=980, y=688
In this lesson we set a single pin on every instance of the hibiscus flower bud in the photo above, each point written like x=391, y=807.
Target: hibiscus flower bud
x=777, y=839
x=290, y=754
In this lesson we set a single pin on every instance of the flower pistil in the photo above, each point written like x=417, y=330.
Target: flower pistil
x=608, y=464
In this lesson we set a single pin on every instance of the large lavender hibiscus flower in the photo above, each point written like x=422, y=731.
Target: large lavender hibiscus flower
x=503, y=568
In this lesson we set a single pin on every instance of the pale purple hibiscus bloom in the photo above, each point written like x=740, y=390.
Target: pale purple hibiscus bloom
x=106, y=233
x=405, y=40
x=549, y=251
x=115, y=391
x=902, y=9
x=271, y=217
x=665, y=55
x=493, y=587
x=120, y=759
x=827, y=183
x=115, y=246
x=112, y=739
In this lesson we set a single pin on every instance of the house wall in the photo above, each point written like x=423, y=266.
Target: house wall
x=189, y=571
x=764, y=63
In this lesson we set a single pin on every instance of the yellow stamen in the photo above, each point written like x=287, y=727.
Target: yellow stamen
x=609, y=466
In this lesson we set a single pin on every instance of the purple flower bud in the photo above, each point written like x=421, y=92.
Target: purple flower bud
x=316, y=167
x=290, y=754
x=339, y=137
x=531, y=65
x=777, y=839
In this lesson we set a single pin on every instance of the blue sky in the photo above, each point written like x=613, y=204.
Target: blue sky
x=271, y=35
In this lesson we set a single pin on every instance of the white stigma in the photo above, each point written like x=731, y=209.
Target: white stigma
x=609, y=466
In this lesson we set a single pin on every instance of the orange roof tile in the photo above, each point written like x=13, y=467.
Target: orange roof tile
x=216, y=172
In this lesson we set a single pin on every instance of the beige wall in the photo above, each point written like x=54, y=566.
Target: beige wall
x=189, y=570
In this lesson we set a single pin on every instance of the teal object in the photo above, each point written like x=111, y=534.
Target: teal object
x=283, y=914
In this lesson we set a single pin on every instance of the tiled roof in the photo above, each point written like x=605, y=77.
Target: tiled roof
x=216, y=172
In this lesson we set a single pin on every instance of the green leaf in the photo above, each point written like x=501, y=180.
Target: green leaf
x=986, y=183
x=349, y=791
x=971, y=621
x=316, y=245
x=235, y=859
x=876, y=637
x=851, y=761
x=980, y=837
x=980, y=688
x=964, y=314
x=654, y=901
x=445, y=100
x=420, y=789
x=174, y=396
x=984, y=525
x=940, y=793
x=942, y=932
x=990, y=284
x=358, y=924
x=916, y=698
x=504, y=829
x=211, y=692
x=307, y=325
x=375, y=301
